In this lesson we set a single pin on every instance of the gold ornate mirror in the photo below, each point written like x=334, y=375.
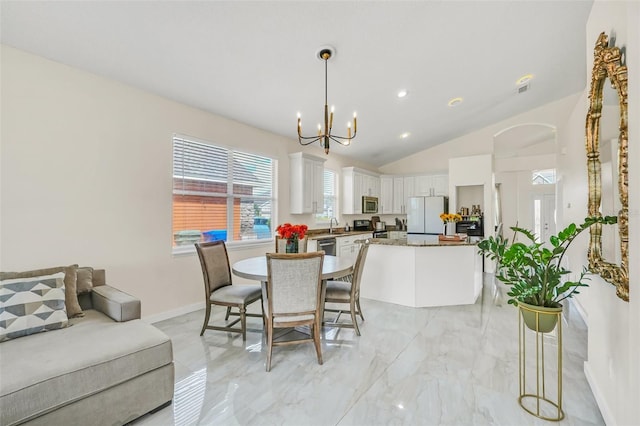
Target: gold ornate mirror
x=608, y=64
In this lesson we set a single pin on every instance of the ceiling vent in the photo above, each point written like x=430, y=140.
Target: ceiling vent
x=523, y=88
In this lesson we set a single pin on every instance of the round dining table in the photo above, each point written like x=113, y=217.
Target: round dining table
x=255, y=268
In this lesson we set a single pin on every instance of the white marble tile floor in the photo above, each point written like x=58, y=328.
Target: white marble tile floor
x=430, y=366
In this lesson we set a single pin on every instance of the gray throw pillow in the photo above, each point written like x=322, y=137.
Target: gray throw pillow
x=85, y=279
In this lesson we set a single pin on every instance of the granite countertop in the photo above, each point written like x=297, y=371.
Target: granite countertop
x=326, y=234
x=419, y=241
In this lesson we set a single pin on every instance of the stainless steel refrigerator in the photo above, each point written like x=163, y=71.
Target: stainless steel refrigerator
x=423, y=215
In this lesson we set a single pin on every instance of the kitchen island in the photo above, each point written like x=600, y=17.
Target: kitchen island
x=421, y=271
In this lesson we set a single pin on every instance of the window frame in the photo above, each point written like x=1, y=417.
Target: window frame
x=232, y=245
x=336, y=196
x=539, y=173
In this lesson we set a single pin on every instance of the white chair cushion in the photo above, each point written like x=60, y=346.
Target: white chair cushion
x=238, y=294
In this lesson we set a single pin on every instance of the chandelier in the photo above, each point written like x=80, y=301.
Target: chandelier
x=325, y=136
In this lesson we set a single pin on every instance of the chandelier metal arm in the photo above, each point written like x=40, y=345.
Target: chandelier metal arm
x=308, y=140
x=342, y=138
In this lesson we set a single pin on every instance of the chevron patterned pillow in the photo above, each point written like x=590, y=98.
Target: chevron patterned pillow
x=31, y=305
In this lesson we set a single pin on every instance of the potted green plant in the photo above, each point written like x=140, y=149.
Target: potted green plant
x=534, y=271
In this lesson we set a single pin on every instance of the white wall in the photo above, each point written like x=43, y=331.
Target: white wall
x=614, y=325
x=86, y=167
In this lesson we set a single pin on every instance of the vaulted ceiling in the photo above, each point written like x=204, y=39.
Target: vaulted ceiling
x=255, y=62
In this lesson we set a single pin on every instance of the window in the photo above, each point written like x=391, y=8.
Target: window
x=543, y=177
x=330, y=204
x=220, y=194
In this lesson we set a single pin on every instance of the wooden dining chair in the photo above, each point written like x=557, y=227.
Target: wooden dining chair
x=294, y=286
x=345, y=292
x=219, y=290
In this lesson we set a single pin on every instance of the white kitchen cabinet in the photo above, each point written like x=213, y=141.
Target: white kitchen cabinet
x=441, y=185
x=387, y=195
x=372, y=186
x=396, y=190
x=346, y=246
x=399, y=204
x=409, y=186
x=392, y=198
x=431, y=185
x=306, y=183
x=423, y=186
x=312, y=245
x=357, y=183
x=409, y=190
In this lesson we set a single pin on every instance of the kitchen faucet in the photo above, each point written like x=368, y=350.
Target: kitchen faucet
x=331, y=224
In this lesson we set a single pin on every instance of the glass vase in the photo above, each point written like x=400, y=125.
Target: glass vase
x=292, y=245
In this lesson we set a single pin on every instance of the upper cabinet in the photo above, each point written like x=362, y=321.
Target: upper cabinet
x=396, y=190
x=431, y=185
x=306, y=183
x=357, y=183
x=392, y=194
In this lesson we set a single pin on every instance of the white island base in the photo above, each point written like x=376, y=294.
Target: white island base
x=422, y=276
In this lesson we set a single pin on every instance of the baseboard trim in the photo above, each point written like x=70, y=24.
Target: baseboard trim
x=173, y=313
x=602, y=403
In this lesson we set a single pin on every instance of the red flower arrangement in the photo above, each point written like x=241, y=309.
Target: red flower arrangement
x=290, y=232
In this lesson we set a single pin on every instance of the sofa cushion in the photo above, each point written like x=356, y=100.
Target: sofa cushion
x=93, y=354
x=31, y=305
x=70, y=279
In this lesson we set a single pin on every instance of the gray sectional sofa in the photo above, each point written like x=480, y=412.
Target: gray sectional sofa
x=107, y=367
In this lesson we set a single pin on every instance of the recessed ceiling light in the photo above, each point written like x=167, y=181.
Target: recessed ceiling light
x=405, y=135
x=455, y=101
x=402, y=93
x=524, y=79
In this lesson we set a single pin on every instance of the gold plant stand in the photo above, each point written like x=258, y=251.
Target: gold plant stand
x=542, y=406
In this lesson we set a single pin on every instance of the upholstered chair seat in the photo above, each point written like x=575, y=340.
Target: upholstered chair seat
x=236, y=294
x=339, y=290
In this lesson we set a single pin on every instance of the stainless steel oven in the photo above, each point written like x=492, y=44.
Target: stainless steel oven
x=369, y=204
x=327, y=245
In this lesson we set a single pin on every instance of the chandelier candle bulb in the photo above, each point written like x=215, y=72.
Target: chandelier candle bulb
x=331, y=118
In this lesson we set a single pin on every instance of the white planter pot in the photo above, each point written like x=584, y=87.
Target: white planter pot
x=450, y=228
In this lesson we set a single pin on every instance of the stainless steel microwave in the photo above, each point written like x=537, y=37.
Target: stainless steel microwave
x=369, y=204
